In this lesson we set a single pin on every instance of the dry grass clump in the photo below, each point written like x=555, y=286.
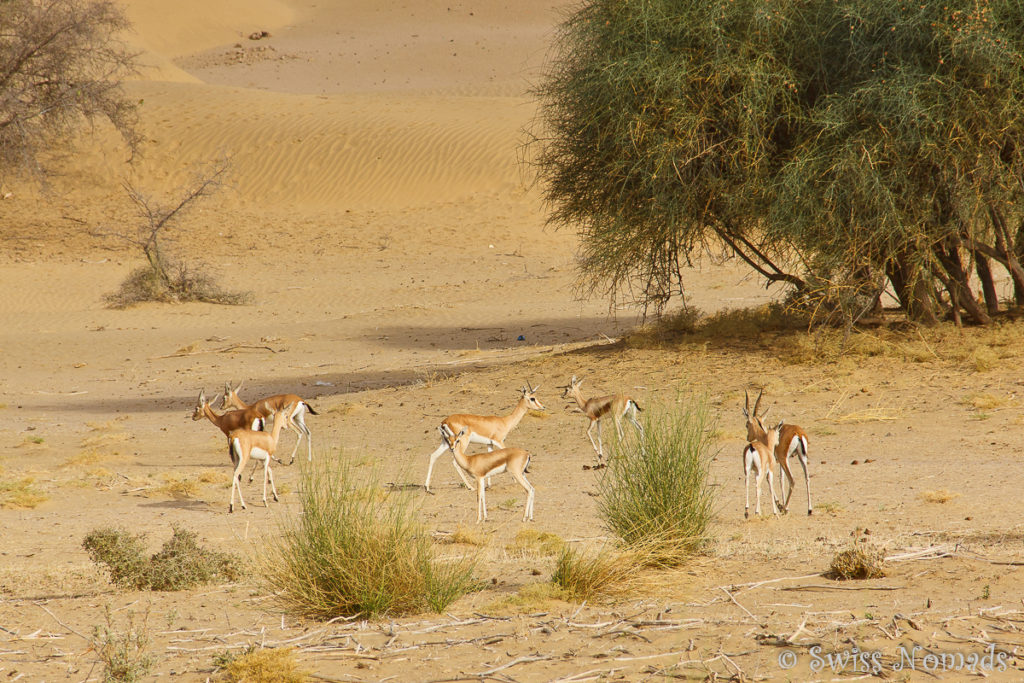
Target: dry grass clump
x=181, y=563
x=177, y=486
x=358, y=549
x=21, y=494
x=533, y=597
x=262, y=665
x=533, y=542
x=586, y=575
x=858, y=562
x=465, y=536
x=182, y=284
x=692, y=324
x=940, y=496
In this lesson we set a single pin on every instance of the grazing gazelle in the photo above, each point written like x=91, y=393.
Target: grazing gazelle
x=759, y=455
x=274, y=404
x=247, y=444
x=484, y=429
x=616, y=405
x=792, y=440
x=483, y=465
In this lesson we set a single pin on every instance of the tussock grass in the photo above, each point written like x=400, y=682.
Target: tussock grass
x=691, y=324
x=465, y=536
x=179, y=565
x=655, y=494
x=860, y=561
x=533, y=597
x=987, y=401
x=940, y=496
x=591, y=574
x=357, y=549
x=176, y=486
x=182, y=284
x=262, y=665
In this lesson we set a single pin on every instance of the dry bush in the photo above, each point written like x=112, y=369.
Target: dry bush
x=181, y=563
x=940, y=496
x=182, y=284
x=858, y=562
x=262, y=665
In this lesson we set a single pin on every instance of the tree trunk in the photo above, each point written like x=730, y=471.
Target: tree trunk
x=913, y=290
x=960, y=293
x=988, y=285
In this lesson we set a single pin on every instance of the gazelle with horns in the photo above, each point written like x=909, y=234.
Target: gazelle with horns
x=272, y=404
x=758, y=456
x=616, y=405
x=489, y=430
x=229, y=420
x=792, y=439
x=483, y=465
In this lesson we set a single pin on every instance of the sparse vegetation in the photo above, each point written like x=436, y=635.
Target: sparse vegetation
x=124, y=653
x=534, y=542
x=655, y=493
x=179, y=565
x=584, y=575
x=21, y=494
x=163, y=278
x=358, y=549
x=860, y=561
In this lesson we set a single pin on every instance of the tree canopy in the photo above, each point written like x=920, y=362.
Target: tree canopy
x=842, y=147
x=61, y=65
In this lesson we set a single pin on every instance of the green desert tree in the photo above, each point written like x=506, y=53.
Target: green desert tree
x=839, y=147
x=61, y=66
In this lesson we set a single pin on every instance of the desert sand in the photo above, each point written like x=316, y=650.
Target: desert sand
x=402, y=269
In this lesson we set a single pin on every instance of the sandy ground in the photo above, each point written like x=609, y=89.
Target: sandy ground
x=401, y=271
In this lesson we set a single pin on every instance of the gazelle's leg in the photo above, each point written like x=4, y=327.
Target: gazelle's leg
x=600, y=446
x=631, y=414
x=236, y=485
x=481, y=501
x=807, y=477
x=433, y=458
x=528, y=511
x=590, y=436
x=785, y=478
x=771, y=488
x=747, y=463
x=462, y=473
x=269, y=474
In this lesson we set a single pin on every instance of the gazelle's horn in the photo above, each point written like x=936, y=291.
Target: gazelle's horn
x=746, y=403
x=758, y=401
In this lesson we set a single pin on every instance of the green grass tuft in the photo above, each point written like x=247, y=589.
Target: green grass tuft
x=357, y=549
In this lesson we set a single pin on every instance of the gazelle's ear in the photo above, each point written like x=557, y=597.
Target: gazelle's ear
x=573, y=380
x=202, y=396
x=227, y=388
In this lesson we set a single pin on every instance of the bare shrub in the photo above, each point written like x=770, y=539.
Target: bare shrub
x=124, y=652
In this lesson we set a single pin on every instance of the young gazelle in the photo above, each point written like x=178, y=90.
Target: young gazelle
x=616, y=405
x=759, y=455
x=792, y=440
x=274, y=404
x=247, y=444
x=490, y=430
x=482, y=465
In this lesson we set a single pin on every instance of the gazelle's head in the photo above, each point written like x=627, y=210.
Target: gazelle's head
x=530, y=396
x=455, y=441
x=773, y=435
x=571, y=387
x=230, y=396
x=755, y=423
x=199, y=412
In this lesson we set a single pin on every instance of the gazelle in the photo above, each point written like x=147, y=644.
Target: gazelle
x=758, y=455
x=483, y=465
x=274, y=404
x=247, y=444
x=792, y=440
x=616, y=405
x=229, y=420
x=490, y=430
